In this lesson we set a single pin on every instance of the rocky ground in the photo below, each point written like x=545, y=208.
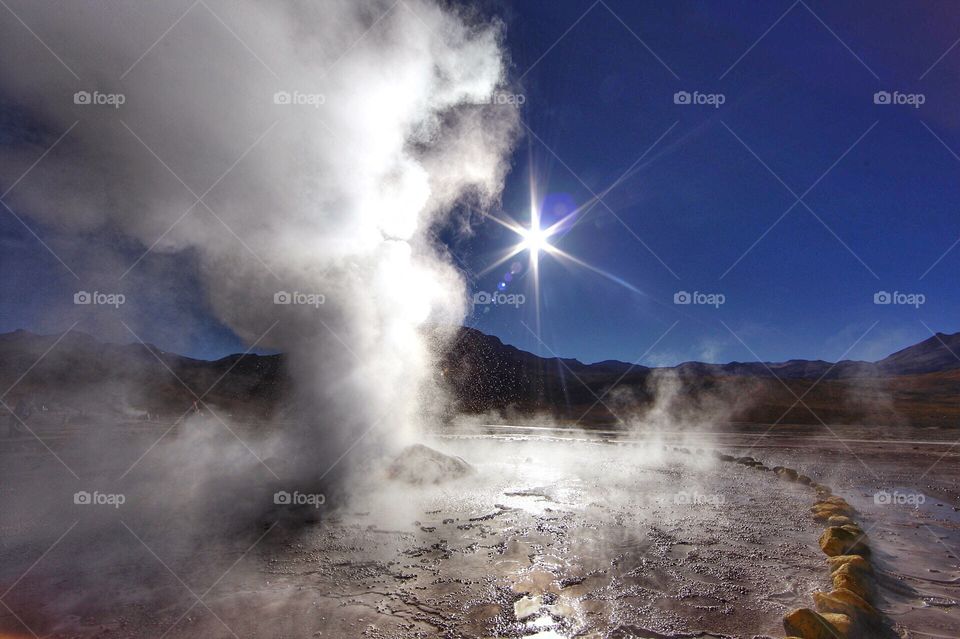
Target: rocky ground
x=552, y=534
x=906, y=485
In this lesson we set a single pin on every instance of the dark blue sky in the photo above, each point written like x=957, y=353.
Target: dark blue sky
x=703, y=211
x=878, y=218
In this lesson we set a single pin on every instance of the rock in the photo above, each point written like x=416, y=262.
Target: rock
x=859, y=583
x=840, y=520
x=856, y=577
x=855, y=529
x=855, y=563
x=803, y=479
x=419, y=464
x=866, y=620
x=839, y=501
x=845, y=602
x=788, y=473
x=824, y=511
x=827, y=507
x=806, y=623
x=840, y=541
x=842, y=623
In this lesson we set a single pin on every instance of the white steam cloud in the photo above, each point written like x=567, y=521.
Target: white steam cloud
x=324, y=138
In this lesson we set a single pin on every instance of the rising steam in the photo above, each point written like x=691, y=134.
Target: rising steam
x=285, y=146
x=278, y=148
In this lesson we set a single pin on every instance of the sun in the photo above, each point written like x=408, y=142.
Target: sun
x=535, y=239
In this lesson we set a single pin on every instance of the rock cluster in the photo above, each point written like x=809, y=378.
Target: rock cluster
x=419, y=464
x=847, y=611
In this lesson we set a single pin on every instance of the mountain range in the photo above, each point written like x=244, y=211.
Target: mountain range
x=918, y=384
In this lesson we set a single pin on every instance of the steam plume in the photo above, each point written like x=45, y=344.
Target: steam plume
x=290, y=147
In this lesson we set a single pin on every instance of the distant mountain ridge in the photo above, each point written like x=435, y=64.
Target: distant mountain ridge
x=482, y=372
x=921, y=381
x=131, y=375
x=938, y=353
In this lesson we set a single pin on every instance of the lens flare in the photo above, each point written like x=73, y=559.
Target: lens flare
x=535, y=239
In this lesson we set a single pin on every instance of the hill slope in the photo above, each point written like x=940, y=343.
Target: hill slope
x=919, y=384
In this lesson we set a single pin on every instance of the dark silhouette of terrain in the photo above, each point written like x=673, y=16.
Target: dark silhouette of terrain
x=918, y=385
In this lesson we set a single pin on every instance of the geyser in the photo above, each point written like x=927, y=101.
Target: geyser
x=291, y=151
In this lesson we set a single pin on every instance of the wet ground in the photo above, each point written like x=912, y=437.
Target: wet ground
x=554, y=535
x=906, y=484
x=556, y=539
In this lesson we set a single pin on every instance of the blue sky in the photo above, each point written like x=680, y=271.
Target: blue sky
x=707, y=208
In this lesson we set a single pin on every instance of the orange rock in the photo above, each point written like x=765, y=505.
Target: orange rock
x=823, y=512
x=806, y=623
x=845, y=602
x=840, y=541
x=842, y=623
x=857, y=582
x=839, y=501
x=856, y=563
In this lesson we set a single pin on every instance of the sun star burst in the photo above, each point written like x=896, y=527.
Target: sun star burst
x=535, y=239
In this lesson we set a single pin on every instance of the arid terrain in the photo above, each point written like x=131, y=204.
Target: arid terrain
x=555, y=533
x=636, y=528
